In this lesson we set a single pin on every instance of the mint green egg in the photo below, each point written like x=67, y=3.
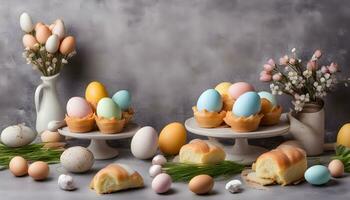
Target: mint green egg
x=107, y=108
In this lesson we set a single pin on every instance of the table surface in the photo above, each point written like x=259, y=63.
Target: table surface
x=25, y=188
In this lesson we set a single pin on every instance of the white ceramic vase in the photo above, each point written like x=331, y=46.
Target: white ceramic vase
x=308, y=127
x=47, y=105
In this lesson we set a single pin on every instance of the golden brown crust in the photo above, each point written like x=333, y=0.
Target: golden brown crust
x=272, y=117
x=206, y=119
x=80, y=125
x=109, y=126
x=127, y=115
x=243, y=124
x=227, y=102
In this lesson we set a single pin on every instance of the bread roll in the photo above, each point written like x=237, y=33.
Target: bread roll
x=201, y=152
x=115, y=177
x=284, y=165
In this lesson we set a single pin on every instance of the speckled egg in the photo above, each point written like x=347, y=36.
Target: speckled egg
x=123, y=99
x=239, y=88
x=268, y=96
x=210, y=100
x=78, y=107
x=317, y=175
x=107, y=108
x=247, y=104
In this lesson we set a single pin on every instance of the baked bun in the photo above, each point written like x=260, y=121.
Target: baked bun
x=201, y=152
x=283, y=165
x=115, y=177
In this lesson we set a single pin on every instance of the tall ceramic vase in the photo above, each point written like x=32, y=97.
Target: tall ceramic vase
x=47, y=105
x=308, y=127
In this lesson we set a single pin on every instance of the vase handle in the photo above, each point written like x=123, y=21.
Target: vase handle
x=37, y=96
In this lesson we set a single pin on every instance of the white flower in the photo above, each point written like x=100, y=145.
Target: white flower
x=322, y=80
x=293, y=50
x=315, y=84
x=54, y=60
x=327, y=75
x=64, y=61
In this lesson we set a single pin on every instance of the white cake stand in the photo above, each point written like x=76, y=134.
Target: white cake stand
x=98, y=145
x=242, y=152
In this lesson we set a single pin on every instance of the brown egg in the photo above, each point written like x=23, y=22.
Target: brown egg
x=29, y=41
x=336, y=168
x=201, y=184
x=18, y=166
x=67, y=45
x=42, y=34
x=37, y=25
x=51, y=136
x=39, y=170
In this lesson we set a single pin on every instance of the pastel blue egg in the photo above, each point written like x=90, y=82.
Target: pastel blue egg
x=268, y=96
x=123, y=99
x=317, y=175
x=210, y=100
x=247, y=104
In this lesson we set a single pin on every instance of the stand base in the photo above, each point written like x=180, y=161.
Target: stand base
x=101, y=150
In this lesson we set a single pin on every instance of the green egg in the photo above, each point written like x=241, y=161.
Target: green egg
x=107, y=108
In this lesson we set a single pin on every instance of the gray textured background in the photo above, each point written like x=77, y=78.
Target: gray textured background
x=167, y=52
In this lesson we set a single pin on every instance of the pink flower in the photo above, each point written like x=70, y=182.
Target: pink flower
x=265, y=77
x=271, y=62
x=268, y=67
x=333, y=67
x=284, y=60
x=264, y=73
x=311, y=65
x=277, y=77
x=318, y=54
x=324, y=69
x=292, y=61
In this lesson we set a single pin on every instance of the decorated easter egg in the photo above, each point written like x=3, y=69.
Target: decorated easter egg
x=42, y=34
x=107, y=108
x=52, y=44
x=29, y=41
x=67, y=45
x=317, y=175
x=94, y=92
x=172, y=138
x=268, y=96
x=222, y=88
x=343, y=137
x=210, y=100
x=239, y=88
x=78, y=107
x=123, y=99
x=144, y=143
x=247, y=104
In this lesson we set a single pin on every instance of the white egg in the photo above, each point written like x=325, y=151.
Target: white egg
x=77, y=159
x=158, y=160
x=52, y=44
x=154, y=170
x=59, y=29
x=26, y=22
x=17, y=135
x=144, y=144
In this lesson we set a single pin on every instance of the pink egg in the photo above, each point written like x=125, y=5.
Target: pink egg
x=239, y=88
x=161, y=183
x=78, y=107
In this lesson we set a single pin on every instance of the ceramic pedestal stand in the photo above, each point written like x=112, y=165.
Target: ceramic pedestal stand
x=241, y=151
x=98, y=145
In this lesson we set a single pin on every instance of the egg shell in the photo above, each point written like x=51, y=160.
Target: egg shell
x=144, y=143
x=123, y=99
x=223, y=87
x=161, y=183
x=201, y=184
x=107, y=108
x=154, y=170
x=37, y=25
x=268, y=96
x=51, y=136
x=77, y=159
x=94, y=92
x=52, y=44
x=343, y=137
x=78, y=107
x=59, y=29
x=26, y=22
x=172, y=138
x=336, y=168
x=18, y=166
x=317, y=175
x=39, y=170
x=66, y=182
x=42, y=34
x=17, y=135
x=210, y=100
x=239, y=88
x=159, y=160
x=247, y=104
x=67, y=45
x=29, y=41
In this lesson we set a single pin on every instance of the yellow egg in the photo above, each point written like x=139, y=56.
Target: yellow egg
x=172, y=138
x=18, y=166
x=42, y=34
x=94, y=92
x=222, y=88
x=343, y=137
x=29, y=41
x=67, y=45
